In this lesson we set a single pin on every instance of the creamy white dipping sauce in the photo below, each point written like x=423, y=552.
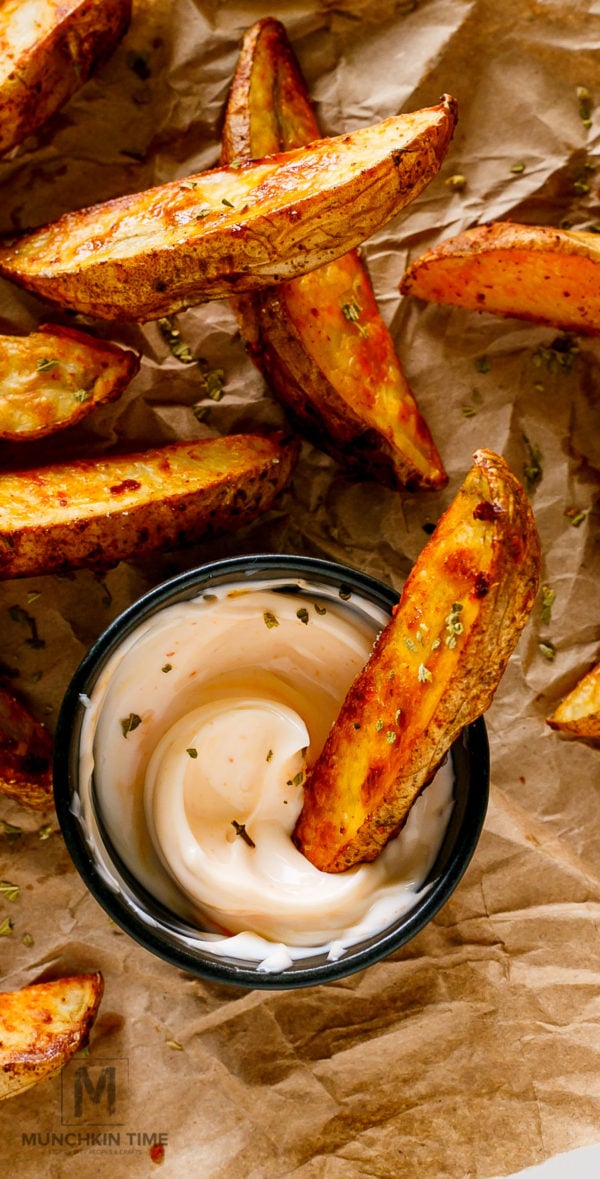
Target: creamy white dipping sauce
x=197, y=738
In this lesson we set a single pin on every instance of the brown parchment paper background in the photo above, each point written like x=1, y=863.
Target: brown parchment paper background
x=475, y=1050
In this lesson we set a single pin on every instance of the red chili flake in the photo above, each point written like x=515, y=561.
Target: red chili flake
x=487, y=511
x=157, y=1153
x=126, y=485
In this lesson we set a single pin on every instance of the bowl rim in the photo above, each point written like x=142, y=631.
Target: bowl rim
x=470, y=754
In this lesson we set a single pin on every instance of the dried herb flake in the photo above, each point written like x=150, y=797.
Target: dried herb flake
x=130, y=723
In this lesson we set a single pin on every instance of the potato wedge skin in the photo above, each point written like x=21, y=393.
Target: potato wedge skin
x=25, y=755
x=56, y=376
x=221, y=232
x=98, y=512
x=48, y=54
x=533, y=272
x=434, y=669
x=579, y=712
x=339, y=379
x=42, y=1026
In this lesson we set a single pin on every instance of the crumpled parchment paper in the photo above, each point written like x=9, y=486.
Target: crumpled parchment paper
x=475, y=1050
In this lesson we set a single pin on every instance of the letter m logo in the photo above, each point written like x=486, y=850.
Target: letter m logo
x=94, y=1094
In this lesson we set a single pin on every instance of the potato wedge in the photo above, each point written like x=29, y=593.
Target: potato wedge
x=48, y=49
x=434, y=669
x=43, y=1026
x=579, y=712
x=99, y=511
x=25, y=755
x=530, y=271
x=217, y=233
x=55, y=377
x=319, y=340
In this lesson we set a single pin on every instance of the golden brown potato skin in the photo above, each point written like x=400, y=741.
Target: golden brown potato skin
x=217, y=233
x=56, y=376
x=434, y=669
x=533, y=272
x=99, y=511
x=579, y=713
x=64, y=41
x=25, y=755
x=43, y=1026
x=339, y=377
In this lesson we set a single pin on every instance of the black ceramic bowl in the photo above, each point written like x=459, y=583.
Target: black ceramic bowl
x=130, y=903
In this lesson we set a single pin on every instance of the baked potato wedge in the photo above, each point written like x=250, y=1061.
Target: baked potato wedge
x=48, y=49
x=434, y=669
x=216, y=233
x=579, y=713
x=97, y=512
x=55, y=377
x=319, y=340
x=532, y=272
x=43, y=1026
x=25, y=755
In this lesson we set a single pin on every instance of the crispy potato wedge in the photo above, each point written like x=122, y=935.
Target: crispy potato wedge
x=530, y=271
x=434, y=669
x=43, y=1026
x=48, y=49
x=55, y=377
x=25, y=755
x=233, y=229
x=579, y=712
x=319, y=340
x=99, y=511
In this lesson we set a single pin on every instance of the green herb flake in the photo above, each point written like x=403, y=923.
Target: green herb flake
x=548, y=596
x=584, y=99
x=454, y=626
x=166, y=667
x=189, y=185
x=456, y=183
x=9, y=890
x=548, y=650
x=269, y=756
x=378, y=725
x=412, y=646
x=45, y=831
x=424, y=675
x=27, y=940
x=468, y=411
x=130, y=723
x=6, y=927
x=46, y=364
x=214, y=383
x=482, y=364
x=302, y=614
x=240, y=830
x=192, y=752
x=298, y=778
x=558, y=357
x=33, y=596
x=391, y=736
x=435, y=644
x=172, y=336
x=345, y=594
x=532, y=468
x=228, y=203
x=270, y=620
x=320, y=609
x=575, y=516
x=518, y=168
x=175, y=1045
x=352, y=311
x=202, y=213
x=82, y=395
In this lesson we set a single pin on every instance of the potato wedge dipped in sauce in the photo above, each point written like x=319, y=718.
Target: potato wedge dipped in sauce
x=533, y=272
x=96, y=512
x=216, y=233
x=56, y=376
x=42, y=1027
x=25, y=755
x=434, y=669
x=319, y=340
x=48, y=49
